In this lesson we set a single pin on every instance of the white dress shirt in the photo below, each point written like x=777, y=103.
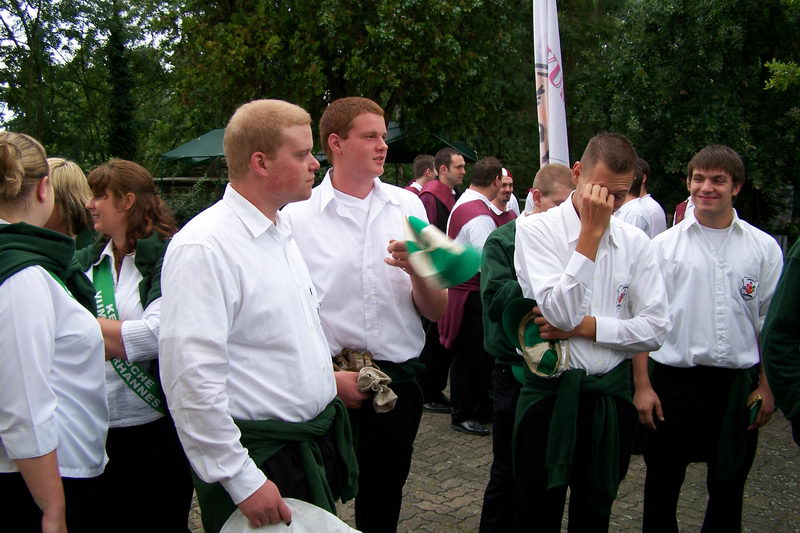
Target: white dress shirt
x=475, y=232
x=139, y=335
x=718, y=298
x=632, y=212
x=52, y=388
x=656, y=218
x=622, y=288
x=240, y=337
x=365, y=304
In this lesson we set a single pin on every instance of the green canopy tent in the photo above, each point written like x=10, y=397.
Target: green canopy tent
x=405, y=142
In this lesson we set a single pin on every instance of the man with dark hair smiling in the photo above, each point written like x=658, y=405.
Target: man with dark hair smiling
x=599, y=290
x=720, y=274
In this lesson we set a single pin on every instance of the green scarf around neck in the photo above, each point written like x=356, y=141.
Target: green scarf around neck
x=23, y=245
x=149, y=256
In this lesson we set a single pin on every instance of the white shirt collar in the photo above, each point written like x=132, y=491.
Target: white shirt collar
x=736, y=222
x=379, y=189
x=254, y=220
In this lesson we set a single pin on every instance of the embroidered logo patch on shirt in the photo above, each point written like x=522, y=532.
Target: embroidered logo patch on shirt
x=749, y=287
x=622, y=291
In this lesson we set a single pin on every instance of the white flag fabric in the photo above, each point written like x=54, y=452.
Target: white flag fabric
x=549, y=84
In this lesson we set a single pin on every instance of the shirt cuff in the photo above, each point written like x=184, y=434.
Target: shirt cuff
x=581, y=268
x=245, y=483
x=606, y=330
x=140, y=343
x=25, y=442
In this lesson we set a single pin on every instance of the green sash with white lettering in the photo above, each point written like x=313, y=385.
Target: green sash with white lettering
x=133, y=375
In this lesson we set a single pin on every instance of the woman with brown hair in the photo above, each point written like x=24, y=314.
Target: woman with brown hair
x=53, y=412
x=145, y=456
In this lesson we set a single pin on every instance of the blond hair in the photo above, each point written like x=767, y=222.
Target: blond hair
x=23, y=162
x=72, y=192
x=258, y=126
x=551, y=175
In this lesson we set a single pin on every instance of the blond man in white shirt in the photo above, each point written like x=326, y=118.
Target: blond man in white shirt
x=244, y=361
x=720, y=273
x=351, y=235
x=597, y=285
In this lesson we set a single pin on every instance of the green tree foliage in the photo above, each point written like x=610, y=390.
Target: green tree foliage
x=680, y=75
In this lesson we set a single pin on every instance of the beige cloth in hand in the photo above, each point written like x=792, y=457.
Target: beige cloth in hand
x=372, y=379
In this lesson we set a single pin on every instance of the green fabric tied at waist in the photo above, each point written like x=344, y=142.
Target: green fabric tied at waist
x=563, y=427
x=265, y=438
x=404, y=372
x=732, y=440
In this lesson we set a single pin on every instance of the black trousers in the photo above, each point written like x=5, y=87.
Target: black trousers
x=436, y=359
x=20, y=513
x=540, y=509
x=499, y=504
x=148, y=472
x=384, y=444
x=471, y=369
x=694, y=401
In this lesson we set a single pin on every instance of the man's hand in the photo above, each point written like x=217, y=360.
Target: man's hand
x=399, y=255
x=596, y=206
x=767, y=406
x=347, y=389
x=265, y=506
x=546, y=330
x=647, y=402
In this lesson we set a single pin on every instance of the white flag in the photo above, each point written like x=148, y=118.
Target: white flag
x=549, y=84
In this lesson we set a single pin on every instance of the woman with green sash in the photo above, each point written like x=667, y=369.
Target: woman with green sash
x=147, y=468
x=53, y=412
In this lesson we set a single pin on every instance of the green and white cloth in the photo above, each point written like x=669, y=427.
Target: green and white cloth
x=438, y=259
x=545, y=359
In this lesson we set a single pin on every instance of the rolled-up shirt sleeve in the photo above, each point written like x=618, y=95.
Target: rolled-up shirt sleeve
x=647, y=327
x=140, y=337
x=198, y=302
x=564, y=294
x=27, y=341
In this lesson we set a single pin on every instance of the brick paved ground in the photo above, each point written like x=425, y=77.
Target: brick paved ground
x=445, y=489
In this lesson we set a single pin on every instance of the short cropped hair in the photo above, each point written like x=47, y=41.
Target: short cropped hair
x=485, y=172
x=642, y=170
x=613, y=149
x=72, y=192
x=338, y=118
x=422, y=163
x=718, y=157
x=258, y=126
x=444, y=157
x=23, y=162
x=549, y=176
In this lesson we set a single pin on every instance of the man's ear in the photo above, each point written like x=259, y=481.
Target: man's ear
x=577, y=170
x=537, y=198
x=335, y=143
x=737, y=188
x=258, y=163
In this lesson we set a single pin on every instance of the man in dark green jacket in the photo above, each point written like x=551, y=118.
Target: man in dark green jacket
x=499, y=286
x=780, y=342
